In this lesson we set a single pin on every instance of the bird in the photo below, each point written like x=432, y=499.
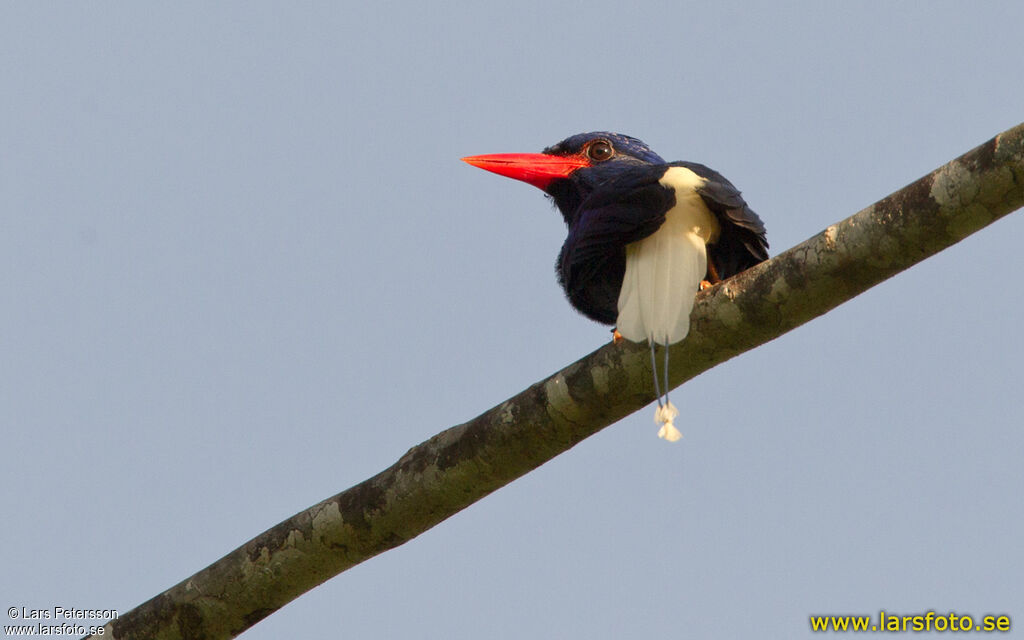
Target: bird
x=644, y=236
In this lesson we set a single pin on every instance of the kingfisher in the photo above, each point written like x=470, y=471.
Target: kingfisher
x=645, y=235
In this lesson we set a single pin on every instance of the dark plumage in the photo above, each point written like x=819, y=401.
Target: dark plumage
x=613, y=203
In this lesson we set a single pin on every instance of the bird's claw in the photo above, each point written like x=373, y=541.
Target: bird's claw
x=616, y=336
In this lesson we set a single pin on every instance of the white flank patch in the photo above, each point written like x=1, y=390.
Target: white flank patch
x=664, y=270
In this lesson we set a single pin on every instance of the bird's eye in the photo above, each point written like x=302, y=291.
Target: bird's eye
x=600, y=150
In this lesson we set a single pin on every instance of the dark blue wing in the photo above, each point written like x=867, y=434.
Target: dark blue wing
x=593, y=259
x=741, y=243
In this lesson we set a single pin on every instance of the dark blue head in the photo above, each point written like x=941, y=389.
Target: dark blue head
x=570, y=170
x=608, y=154
x=626, y=148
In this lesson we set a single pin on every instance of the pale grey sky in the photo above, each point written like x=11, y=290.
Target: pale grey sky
x=245, y=269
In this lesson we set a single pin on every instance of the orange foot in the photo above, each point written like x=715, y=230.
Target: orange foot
x=616, y=336
x=704, y=284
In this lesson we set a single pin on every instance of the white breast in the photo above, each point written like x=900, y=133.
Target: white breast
x=664, y=270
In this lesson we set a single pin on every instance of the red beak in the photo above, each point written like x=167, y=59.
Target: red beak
x=539, y=169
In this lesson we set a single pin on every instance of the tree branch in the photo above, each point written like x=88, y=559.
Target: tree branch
x=461, y=465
